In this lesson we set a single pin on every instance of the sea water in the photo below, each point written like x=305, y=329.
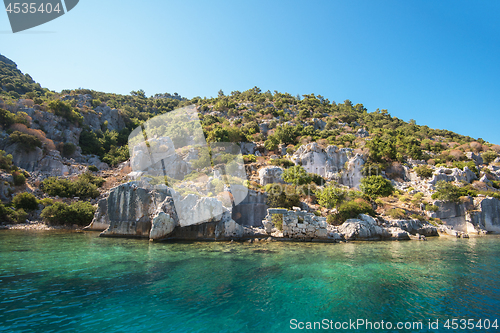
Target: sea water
x=78, y=282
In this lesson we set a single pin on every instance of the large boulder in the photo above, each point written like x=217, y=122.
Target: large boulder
x=363, y=228
x=270, y=175
x=415, y=227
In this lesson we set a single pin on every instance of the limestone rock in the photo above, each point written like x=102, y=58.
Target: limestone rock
x=162, y=226
x=475, y=157
x=100, y=222
x=362, y=133
x=113, y=118
x=488, y=217
x=364, y=228
x=270, y=175
x=26, y=160
x=451, y=175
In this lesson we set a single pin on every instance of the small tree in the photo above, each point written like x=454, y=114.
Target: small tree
x=296, y=175
x=489, y=156
x=446, y=191
x=376, y=186
x=423, y=171
x=331, y=196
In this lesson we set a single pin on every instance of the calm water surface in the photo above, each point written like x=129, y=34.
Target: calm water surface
x=78, y=282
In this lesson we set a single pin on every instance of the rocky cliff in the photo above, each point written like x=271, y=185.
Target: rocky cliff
x=132, y=210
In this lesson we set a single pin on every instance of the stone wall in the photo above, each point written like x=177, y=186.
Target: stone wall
x=298, y=224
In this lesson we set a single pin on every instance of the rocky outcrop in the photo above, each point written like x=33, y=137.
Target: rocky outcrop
x=132, y=210
x=159, y=157
x=362, y=133
x=488, y=216
x=352, y=174
x=111, y=118
x=331, y=163
x=270, y=175
x=414, y=227
x=477, y=158
x=27, y=160
x=364, y=228
x=451, y=175
x=6, y=180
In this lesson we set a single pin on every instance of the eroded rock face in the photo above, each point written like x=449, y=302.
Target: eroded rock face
x=112, y=117
x=23, y=159
x=330, y=162
x=352, y=175
x=270, y=175
x=451, y=175
x=415, y=227
x=364, y=228
x=158, y=213
x=489, y=216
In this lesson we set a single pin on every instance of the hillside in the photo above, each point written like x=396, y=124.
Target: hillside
x=340, y=159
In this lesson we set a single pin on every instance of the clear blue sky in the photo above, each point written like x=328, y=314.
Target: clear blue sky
x=437, y=62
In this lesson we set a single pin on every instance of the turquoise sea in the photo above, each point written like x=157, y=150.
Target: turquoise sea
x=63, y=281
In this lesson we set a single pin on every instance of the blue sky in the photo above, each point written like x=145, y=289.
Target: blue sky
x=433, y=61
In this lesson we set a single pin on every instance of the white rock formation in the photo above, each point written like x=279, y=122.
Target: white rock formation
x=331, y=163
x=270, y=175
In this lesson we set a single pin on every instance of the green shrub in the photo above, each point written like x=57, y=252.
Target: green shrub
x=351, y=210
x=19, y=215
x=93, y=168
x=423, y=171
x=249, y=158
x=26, y=201
x=5, y=161
x=284, y=196
x=84, y=187
x=448, y=192
x=46, y=202
x=331, y=196
x=489, y=156
x=396, y=213
x=431, y=208
x=296, y=175
x=282, y=162
x=80, y=213
x=68, y=149
x=277, y=220
x=19, y=178
x=418, y=217
x=25, y=141
x=376, y=186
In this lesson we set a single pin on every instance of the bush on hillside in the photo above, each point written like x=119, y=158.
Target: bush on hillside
x=351, y=210
x=27, y=142
x=84, y=187
x=26, y=201
x=376, y=186
x=423, y=171
x=80, y=213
